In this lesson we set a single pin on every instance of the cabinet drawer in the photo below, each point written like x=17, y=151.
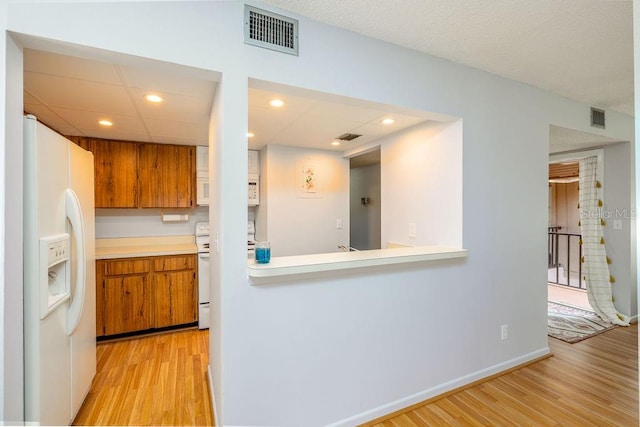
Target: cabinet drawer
x=130, y=266
x=169, y=263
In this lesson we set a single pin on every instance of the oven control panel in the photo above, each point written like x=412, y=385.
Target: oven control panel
x=202, y=228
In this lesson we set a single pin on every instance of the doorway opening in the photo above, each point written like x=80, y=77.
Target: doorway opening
x=566, y=284
x=364, y=201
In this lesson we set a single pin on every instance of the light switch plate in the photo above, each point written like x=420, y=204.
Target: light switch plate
x=412, y=229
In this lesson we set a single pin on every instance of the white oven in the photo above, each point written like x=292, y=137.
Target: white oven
x=204, y=282
x=251, y=239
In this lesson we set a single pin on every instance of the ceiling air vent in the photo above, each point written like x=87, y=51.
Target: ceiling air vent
x=271, y=31
x=597, y=118
x=348, y=136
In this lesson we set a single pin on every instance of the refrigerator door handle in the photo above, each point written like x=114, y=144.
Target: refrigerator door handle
x=74, y=213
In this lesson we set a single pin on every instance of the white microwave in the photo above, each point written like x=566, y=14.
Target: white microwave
x=254, y=190
x=202, y=194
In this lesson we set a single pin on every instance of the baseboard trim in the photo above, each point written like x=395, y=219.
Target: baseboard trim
x=395, y=408
x=211, y=395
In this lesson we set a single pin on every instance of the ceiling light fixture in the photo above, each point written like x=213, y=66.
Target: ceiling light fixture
x=105, y=123
x=153, y=98
x=276, y=103
x=388, y=121
x=335, y=143
x=250, y=135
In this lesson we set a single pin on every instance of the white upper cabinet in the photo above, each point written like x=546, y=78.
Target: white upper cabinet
x=202, y=175
x=254, y=162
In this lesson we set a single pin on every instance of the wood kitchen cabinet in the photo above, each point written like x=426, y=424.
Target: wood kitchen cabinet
x=139, y=294
x=167, y=176
x=115, y=169
x=141, y=175
x=123, y=301
x=175, y=289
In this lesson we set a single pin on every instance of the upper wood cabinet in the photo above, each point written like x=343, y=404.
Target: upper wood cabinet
x=167, y=175
x=141, y=175
x=116, y=171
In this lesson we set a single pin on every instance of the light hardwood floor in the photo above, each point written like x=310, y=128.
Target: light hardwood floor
x=155, y=380
x=161, y=380
x=590, y=383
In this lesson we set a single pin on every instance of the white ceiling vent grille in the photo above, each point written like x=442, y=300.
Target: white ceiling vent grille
x=271, y=31
x=597, y=118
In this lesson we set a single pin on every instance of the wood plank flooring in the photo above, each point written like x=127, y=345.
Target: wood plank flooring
x=590, y=383
x=161, y=380
x=155, y=380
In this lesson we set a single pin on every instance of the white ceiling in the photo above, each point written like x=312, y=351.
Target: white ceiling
x=581, y=49
x=71, y=94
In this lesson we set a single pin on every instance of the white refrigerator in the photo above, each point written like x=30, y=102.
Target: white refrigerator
x=59, y=275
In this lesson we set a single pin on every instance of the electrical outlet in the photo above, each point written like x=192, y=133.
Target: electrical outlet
x=617, y=224
x=338, y=223
x=504, y=331
x=412, y=229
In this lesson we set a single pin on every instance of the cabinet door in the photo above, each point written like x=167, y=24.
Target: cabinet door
x=127, y=304
x=167, y=176
x=117, y=298
x=115, y=166
x=176, y=298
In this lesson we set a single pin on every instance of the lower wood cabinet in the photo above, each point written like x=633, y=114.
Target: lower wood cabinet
x=137, y=294
x=175, y=290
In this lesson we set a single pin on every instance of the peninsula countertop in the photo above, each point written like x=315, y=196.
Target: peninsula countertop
x=133, y=247
x=317, y=263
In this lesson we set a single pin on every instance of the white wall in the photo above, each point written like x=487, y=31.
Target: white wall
x=146, y=222
x=300, y=222
x=348, y=347
x=617, y=206
x=422, y=184
x=635, y=153
x=11, y=255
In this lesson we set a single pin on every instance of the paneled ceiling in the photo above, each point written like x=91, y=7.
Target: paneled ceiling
x=72, y=94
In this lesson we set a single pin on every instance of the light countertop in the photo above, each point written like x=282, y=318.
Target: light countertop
x=304, y=264
x=132, y=247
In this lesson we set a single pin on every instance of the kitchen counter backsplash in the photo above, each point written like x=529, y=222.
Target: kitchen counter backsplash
x=129, y=247
x=116, y=223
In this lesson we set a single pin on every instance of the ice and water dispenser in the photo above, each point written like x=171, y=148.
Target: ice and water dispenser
x=55, y=258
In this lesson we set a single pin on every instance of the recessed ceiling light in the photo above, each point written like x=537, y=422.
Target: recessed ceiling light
x=250, y=135
x=153, y=98
x=106, y=123
x=335, y=143
x=276, y=102
x=388, y=121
